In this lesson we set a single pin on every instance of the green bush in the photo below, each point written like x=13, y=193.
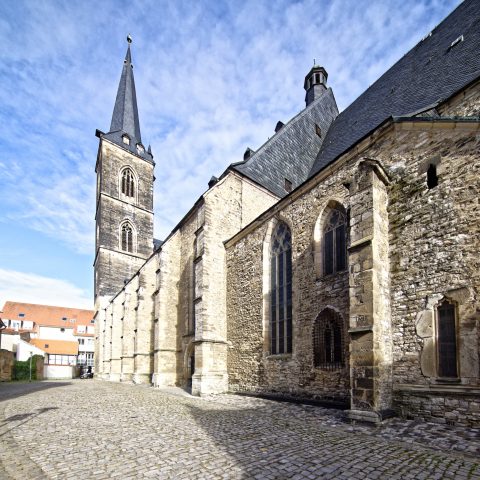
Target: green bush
x=21, y=370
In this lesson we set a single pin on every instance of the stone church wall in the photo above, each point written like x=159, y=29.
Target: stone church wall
x=464, y=104
x=112, y=160
x=433, y=252
x=167, y=339
x=190, y=305
x=251, y=367
x=112, y=266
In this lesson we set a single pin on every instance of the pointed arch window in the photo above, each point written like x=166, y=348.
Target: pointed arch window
x=334, y=242
x=281, y=290
x=328, y=344
x=127, y=237
x=128, y=183
x=446, y=340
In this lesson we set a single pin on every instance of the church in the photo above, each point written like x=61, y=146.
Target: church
x=338, y=262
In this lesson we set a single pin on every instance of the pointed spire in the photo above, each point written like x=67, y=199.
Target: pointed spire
x=125, y=112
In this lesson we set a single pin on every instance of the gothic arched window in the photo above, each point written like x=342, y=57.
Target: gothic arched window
x=281, y=290
x=328, y=349
x=128, y=183
x=126, y=237
x=334, y=242
x=446, y=340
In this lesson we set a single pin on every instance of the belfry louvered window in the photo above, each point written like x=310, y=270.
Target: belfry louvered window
x=128, y=183
x=334, y=243
x=281, y=290
x=328, y=350
x=127, y=237
x=446, y=340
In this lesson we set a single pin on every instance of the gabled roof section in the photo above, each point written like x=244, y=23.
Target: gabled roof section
x=47, y=315
x=290, y=153
x=444, y=62
x=62, y=347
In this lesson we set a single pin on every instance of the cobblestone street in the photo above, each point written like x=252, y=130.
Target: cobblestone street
x=98, y=430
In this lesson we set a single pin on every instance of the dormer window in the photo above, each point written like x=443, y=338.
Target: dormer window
x=126, y=139
x=140, y=148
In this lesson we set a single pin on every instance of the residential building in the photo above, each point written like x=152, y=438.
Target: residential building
x=66, y=335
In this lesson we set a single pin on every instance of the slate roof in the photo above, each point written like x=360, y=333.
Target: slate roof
x=290, y=153
x=428, y=74
x=125, y=119
x=157, y=243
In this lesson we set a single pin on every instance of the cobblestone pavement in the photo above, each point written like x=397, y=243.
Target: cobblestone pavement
x=88, y=429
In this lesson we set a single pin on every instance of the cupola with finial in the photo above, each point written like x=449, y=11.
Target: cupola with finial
x=315, y=83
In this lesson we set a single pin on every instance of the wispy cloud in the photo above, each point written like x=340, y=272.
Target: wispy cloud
x=212, y=78
x=31, y=288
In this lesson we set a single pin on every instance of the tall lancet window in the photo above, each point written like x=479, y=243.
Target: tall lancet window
x=446, y=340
x=127, y=237
x=281, y=290
x=334, y=243
x=128, y=183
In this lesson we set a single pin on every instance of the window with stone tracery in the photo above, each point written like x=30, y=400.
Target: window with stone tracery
x=281, y=290
x=128, y=183
x=127, y=237
x=328, y=350
x=334, y=243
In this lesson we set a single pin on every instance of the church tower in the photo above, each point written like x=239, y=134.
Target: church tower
x=124, y=211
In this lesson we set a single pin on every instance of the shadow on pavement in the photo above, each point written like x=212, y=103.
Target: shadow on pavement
x=260, y=442
x=25, y=417
x=9, y=390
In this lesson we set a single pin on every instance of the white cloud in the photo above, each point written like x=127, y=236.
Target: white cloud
x=32, y=288
x=212, y=78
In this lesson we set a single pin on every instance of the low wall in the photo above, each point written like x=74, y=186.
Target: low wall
x=51, y=372
x=7, y=360
x=39, y=365
x=448, y=404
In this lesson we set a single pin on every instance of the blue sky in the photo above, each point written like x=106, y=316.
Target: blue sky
x=212, y=78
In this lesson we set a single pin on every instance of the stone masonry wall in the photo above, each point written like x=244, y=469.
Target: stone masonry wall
x=451, y=406
x=7, y=360
x=112, y=266
x=128, y=331
x=250, y=366
x=167, y=339
x=433, y=250
x=144, y=322
x=464, y=104
x=190, y=300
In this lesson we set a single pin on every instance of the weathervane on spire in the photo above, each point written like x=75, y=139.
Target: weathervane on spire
x=129, y=38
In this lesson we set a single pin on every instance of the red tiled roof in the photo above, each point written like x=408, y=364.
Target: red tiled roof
x=47, y=315
x=63, y=347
